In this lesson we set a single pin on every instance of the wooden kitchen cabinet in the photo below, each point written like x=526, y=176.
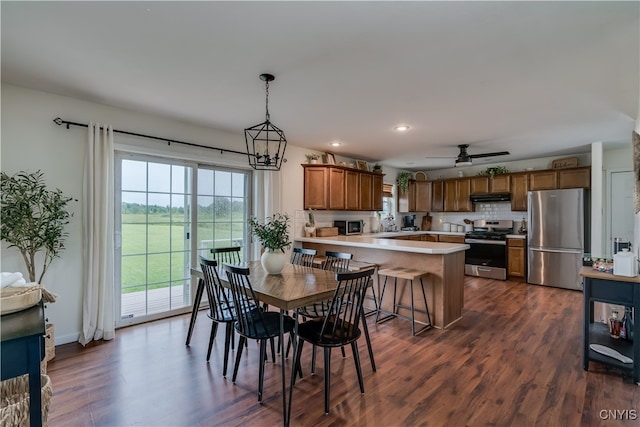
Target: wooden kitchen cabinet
x=407, y=200
x=366, y=190
x=337, y=189
x=448, y=238
x=437, y=196
x=456, y=195
x=316, y=188
x=519, y=189
x=516, y=259
x=376, y=192
x=334, y=187
x=352, y=194
x=479, y=184
x=429, y=238
x=500, y=184
x=575, y=177
x=423, y=196
x=543, y=180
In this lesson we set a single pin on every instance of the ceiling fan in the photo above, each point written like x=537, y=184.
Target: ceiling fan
x=465, y=159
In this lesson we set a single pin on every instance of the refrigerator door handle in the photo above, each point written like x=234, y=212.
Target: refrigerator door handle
x=561, y=251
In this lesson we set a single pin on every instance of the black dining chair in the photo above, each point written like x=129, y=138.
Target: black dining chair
x=337, y=261
x=229, y=255
x=252, y=321
x=339, y=327
x=220, y=307
x=304, y=257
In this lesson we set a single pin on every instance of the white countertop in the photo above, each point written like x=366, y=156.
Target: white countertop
x=384, y=242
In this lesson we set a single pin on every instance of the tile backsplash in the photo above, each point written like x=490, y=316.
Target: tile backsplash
x=490, y=210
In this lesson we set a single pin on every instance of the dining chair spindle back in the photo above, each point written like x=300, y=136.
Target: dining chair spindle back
x=252, y=321
x=339, y=327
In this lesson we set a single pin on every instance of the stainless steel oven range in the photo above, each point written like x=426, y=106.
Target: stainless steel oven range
x=487, y=253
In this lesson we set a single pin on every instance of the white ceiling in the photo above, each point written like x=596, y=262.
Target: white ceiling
x=534, y=78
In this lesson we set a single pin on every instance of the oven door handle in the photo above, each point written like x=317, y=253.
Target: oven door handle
x=486, y=242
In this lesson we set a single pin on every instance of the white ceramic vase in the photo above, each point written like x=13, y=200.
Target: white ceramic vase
x=273, y=262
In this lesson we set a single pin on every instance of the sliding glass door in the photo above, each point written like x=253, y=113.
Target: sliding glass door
x=159, y=235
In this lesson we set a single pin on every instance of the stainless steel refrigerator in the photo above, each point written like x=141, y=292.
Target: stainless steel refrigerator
x=557, y=237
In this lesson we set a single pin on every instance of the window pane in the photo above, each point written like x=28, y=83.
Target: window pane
x=134, y=175
x=223, y=183
x=205, y=181
x=159, y=177
x=237, y=185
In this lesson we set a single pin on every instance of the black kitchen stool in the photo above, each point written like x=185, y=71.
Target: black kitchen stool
x=411, y=275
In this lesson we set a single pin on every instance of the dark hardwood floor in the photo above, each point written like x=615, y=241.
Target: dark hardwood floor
x=514, y=360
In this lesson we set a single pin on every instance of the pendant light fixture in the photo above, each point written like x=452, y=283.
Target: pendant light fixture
x=265, y=141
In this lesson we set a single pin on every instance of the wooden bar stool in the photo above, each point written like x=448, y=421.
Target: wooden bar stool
x=411, y=275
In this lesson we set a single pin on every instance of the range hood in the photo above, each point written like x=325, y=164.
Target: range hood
x=491, y=197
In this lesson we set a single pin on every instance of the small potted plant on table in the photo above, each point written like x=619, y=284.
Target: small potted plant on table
x=273, y=234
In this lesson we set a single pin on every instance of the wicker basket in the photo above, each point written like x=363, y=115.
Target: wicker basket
x=14, y=400
x=49, y=346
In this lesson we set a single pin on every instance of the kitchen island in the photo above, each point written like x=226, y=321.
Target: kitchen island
x=444, y=261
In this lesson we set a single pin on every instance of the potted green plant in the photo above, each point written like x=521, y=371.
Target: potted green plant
x=312, y=157
x=33, y=219
x=377, y=168
x=273, y=234
x=495, y=170
x=403, y=181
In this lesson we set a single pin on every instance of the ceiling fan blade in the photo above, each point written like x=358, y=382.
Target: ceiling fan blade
x=497, y=153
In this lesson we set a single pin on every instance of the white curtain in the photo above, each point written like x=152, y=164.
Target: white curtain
x=98, y=312
x=267, y=199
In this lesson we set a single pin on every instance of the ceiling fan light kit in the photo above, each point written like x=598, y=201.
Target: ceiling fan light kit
x=465, y=159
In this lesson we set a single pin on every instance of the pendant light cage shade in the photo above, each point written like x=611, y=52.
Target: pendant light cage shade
x=266, y=142
x=265, y=146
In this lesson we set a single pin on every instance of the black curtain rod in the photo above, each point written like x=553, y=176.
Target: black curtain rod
x=61, y=122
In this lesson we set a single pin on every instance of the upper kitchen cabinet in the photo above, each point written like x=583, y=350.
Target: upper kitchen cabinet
x=333, y=187
x=437, y=196
x=423, y=196
x=519, y=188
x=352, y=182
x=494, y=184
x=316, y=187
x=366, y=192
x=574, y=177
x=543, y=180
x=407, y=199
x=479, y=184
x=456, y=195
x=376, y=191
x=500, y=184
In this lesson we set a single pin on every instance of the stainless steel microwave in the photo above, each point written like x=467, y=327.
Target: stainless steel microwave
x=348, y=227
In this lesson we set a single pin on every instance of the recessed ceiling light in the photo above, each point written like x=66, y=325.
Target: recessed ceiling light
x=336, y=144
x=401, y=128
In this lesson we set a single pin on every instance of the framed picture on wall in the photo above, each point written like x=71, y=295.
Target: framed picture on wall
x=331, y=159
x=362, y=165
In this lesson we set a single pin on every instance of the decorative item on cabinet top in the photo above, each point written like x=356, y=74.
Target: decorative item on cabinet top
x=362, y=165
x=421, y=176
x=496, y=170
x=403, y=181
x=567, y=162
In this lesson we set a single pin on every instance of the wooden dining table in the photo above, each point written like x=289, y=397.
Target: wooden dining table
x=296, y=286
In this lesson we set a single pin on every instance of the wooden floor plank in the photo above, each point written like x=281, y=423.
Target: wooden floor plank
x=513, y=360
